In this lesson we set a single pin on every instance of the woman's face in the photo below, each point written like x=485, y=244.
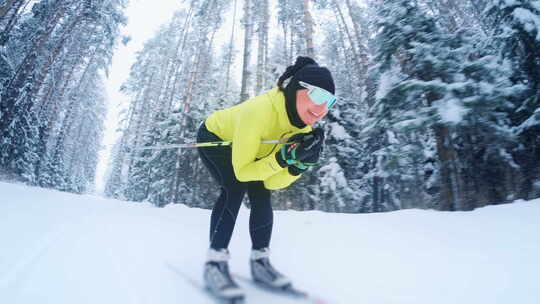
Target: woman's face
x=309, y=111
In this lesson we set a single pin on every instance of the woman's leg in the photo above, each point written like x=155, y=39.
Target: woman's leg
x=260, y=228
x=225, y=211
x=261, y=218
x=224, y=215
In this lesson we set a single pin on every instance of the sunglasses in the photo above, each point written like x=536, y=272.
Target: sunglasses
x=319, y=95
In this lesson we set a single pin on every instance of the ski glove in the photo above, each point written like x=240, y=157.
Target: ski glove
x=313, y=158
x=302, y=151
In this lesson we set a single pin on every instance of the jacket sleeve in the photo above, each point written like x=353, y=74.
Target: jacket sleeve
x=280, y=180
x=249, y=126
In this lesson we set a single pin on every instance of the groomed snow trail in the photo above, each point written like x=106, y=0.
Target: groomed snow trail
x=64, y=248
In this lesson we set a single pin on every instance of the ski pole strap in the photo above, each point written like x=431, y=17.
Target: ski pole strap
x=204, y=144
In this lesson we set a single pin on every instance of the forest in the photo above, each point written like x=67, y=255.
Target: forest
x=438, y=100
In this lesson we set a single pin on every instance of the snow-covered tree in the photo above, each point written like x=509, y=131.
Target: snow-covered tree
x=53, y=50
x=441, y=82
x=515, y=28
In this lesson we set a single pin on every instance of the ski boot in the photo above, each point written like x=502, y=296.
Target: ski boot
x=264, y=273
x=217, y=277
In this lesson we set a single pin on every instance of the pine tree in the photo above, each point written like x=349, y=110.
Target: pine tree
x=168, y=106
x=516, y=31
x=447, y=85
x=55, y=55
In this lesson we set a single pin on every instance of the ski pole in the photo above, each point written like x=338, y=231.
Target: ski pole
x=207, y=144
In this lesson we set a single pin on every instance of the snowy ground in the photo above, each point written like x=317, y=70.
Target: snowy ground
x=63, y=248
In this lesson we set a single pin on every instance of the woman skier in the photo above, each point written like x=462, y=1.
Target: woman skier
x=287, y=113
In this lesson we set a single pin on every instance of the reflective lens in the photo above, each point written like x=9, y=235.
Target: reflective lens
x=319, y=95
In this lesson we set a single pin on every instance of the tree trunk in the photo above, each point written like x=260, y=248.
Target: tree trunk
x=45, y=122
x=452, y=198
x=75, y=158
x=308, y=22
x=203, y=49
x=179, y=62
x=349, y=36
x=187, y=103
x=362, y=50
x=291, y=43
x=142, y=117
x=46, y=69
x=231, y=47
x=377, y=188
x=49, y=110
x=26, y=70
x=58, y=91
x=246, y=73
x=68, y=120
x=174, y=66
x=285, y=48
x=262, y=45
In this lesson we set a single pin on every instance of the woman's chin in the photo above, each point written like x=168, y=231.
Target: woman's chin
x=311, y=122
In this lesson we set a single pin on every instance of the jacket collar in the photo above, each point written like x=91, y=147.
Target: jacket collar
x=277, y=99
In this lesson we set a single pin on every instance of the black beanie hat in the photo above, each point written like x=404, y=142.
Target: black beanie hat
x=307, y=70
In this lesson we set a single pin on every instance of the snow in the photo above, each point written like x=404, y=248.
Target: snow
x=532, y=121
x=511, y=2
x=338, y=131
x=65, y=248
x=530, y=21
x=332, y=176
x=536, y=5
x=451, y=110
x=386, y=83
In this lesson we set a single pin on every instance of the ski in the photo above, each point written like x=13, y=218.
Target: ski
x=289, y=291
x=199, y=286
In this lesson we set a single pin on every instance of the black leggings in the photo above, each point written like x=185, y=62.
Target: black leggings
x=218, y=160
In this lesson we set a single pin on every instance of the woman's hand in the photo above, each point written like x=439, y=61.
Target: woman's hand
x=302, y=150
x=311, y=156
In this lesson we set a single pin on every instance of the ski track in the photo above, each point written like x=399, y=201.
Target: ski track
x=61, y=248
x=64, y=239
x=254, y=295
x=60, y=251
x=15, y=276
x=246, y=282
x=85, y=245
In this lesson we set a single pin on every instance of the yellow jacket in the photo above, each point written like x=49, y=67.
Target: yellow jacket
x=260, y=118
